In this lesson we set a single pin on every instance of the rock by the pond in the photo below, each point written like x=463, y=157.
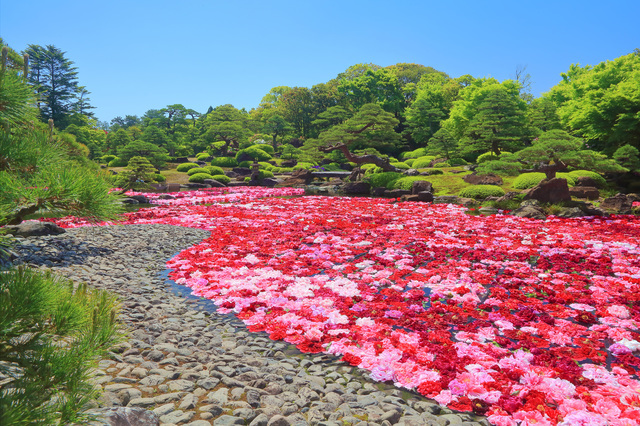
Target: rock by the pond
x=356, y=188
x=34, y=229
x=588, y=192
x=488, y=179
x=421, y=186
x=618, y=204
x=554, y=190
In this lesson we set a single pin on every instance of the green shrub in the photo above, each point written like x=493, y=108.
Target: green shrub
x=432, y=172
x=501, y=168
x=420, y=152
x=458, y=162
x=222, y=179
x=255, y=152
x=214, y=170
x=593, y=175
x=303, y=165
x=276, y=170
x=199, y=177
x=373, y=170
x=528, y=180
x=266, y=148
x=401, y=165
x=118, y=162
x=384, y=179
x=487, y=156
x=195, y=170
x=480, y=192
x=409, y=161
x=332, y=167
x=224, y=162
x=185, y=167
x=266, y=166
x=107, y=158
x=159, y=178
x=203, y=155
x=443, y=164
x=406, y=182
x=245, y=164
x=265, y=174
x=423, y=161
x=571, y=180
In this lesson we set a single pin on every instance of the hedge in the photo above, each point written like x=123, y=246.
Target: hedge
x=423, y=161
x=185, y=167
x=195, y=170
x=224, y=162
x=200, y=177
x=480, y=192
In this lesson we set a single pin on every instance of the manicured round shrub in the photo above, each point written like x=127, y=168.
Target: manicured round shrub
x=266, y=148
x=255, y=152
x=571, y=180
x=245, y=164
x=489, y=156
x=332, y=167
x=432, y=172
x=195, y=170
x=458, y=162
x=401, y=165
x=214, y=170
x=373, y=170
x=265, y=174
x=443, y=164
x=159, y=178
x=480, y=192
x=185, y=167
x=107, y=158
x=406, y=182
x=423, y=161
x=118, y=162
x=224, y=162
x=593, y=175
x=266, y=166
x=222, y=179
x=384, y=179
x=416, y=153
x=203, y=155
x=303, y=165
x=199, y=177
x=528, y=180
x=409, y=161
x=276, y=170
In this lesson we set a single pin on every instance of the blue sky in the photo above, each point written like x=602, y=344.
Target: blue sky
x=138, y=55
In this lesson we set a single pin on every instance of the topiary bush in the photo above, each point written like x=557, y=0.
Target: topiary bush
x=409, y=161
x=266, y=166
x=255, y=152
x=195, y=170
x=593, y=175
x=332, y=167
x=108, y=158
x=422, y=162
x=118, y=162
x=199, y=177
x=224, y=162
x=458, y=162
x=203, y=156
x=443, y=164
x=185, y=167
x=406, y=182
x=222, y=179
x=416, y=153
x=384, y=179
x=401, y=165
x=432, y=172
x=528, y=180
x=303, y=165
x=159, y=178
x=214, y=170
x=265, y=174
x=245, y=164
x=266, y=148
x=480, y=192
x=571, y=180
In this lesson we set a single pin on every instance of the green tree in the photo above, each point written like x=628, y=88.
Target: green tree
x=156, y=155
x=138, y=174
x=226, y=123
x=442, y=143
x=602, y=103
x=117, y=140
x=56, y=82
x=627, y=157
x=276, y=126
x=15, y=96
x=374, y=86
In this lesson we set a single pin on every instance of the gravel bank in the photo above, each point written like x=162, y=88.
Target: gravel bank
x=191, y=366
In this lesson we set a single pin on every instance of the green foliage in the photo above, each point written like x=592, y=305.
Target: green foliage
x=245, y=164
x=480, y=192
x=416, y=153
x=222, y=179
x=442, y=164
x=593, y=175
x=16, y=98
x=401, y=165
x=138, y=174
x=487, y=156
x=185, y=167
x=264, y=165
x=627, y=157
x=203, y=156
x=255, y=152
x=199, y=177
x=409, y=161
x=265, y=174
x=303, y=165
x=385, y=179
x=195, y=170
x=332, y=167
x=266, y=148
x=423, y=162
x=458, y=162
x=50, y=380
x=214, y=170
x=156, y=155
x=571, y=179
x=502, y=168
x=528, y=180
x=432, y=172
x=224, y=162
x=108, y=158
x=406, y=182
x=159, y=178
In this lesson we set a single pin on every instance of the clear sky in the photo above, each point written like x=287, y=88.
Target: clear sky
x=137, y=55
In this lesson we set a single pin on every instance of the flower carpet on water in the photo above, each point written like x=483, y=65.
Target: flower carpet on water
x=525, y=321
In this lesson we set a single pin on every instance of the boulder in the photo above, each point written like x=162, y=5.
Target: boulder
x=396, y=193
x=425, y=196
x=270, y=182
x=412, y=172
x=140, y=198
x=242, y=171
x=507, y=197
x=554, y=190
x=289, y=163
x=214, y=183
x=421, y=186
x=588, y=192
x=299, y=177
x=446, y=199
x=129, y=416
x=182, y=160
x=488, y=179
x=409, y=197
x=196, y=185
x=129, y=200
x=357, y=188
x=34, y=229
x=618, y=204
x=586, y=181
x=379, y=191
x=569, y=212
x=243, y=156
x=531, y=212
